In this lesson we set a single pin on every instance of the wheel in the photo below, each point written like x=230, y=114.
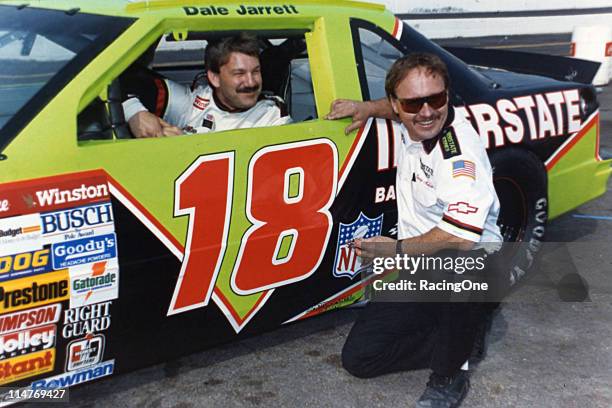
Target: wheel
x=520, y=181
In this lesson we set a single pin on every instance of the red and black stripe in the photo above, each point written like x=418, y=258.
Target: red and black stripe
x=461, y=225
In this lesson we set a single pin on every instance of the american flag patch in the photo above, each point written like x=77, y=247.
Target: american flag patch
x=464, y=168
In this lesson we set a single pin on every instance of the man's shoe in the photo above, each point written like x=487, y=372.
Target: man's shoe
x=444, y=392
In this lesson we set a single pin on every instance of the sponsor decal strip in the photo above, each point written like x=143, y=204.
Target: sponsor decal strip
x=30, y=318
x=72, y=378
x=398, y=29
x=27, y=365
x=338, y=297
x=53, y=193
x=353, y=152
x=572, y=140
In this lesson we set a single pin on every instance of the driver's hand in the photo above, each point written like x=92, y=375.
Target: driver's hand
x=145, y=124
x=343, y=108
x=169, y=130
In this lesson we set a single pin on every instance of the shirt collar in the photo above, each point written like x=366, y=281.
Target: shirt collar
x=429, y=144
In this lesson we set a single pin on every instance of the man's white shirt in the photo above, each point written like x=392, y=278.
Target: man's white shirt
x=454, y=193
x=195, y=111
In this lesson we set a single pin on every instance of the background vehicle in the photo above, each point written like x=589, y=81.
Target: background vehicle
x=122, y=252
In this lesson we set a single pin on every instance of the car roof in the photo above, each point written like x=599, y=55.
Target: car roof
x=133, y=8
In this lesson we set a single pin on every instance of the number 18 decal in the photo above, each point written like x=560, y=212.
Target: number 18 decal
x=289, y=192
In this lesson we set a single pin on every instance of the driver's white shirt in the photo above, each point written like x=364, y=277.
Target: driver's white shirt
x=454, y=193
x=196, y=111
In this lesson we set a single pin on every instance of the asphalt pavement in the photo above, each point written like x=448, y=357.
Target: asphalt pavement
x=541, y=353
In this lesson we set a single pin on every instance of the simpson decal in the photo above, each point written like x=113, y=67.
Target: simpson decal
x=346, y=262
x=29, y=319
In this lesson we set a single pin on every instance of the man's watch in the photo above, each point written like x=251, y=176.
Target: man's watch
x=398, y=247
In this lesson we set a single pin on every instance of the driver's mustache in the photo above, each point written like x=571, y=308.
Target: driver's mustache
x=250, y=89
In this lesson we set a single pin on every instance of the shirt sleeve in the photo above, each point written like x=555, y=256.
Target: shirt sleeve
x=465, y=188
x=131, y=107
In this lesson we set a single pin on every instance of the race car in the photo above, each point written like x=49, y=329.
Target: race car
x=118, y=253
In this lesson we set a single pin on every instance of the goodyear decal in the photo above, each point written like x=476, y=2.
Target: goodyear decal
x=40, y=290
x=27, y=365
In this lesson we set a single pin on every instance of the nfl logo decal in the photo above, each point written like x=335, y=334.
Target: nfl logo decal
x=347, y=263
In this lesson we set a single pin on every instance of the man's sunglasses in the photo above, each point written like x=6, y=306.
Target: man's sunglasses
x=435, y=101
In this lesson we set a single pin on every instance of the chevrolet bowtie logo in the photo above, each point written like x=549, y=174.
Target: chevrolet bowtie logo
x=462, y=208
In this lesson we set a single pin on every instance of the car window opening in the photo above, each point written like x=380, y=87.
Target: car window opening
x=285, y=73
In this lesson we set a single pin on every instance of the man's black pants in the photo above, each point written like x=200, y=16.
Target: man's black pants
x=397, y=336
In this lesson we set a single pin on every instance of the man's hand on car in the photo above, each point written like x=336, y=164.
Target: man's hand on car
x=145, y=124
x=344, y=108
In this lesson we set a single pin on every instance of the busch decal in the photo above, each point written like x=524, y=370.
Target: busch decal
x=74, y=218
x=346, y=262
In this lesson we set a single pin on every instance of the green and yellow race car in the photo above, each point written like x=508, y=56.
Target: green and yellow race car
x=118, y=252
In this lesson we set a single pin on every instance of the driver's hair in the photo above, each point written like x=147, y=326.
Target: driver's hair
x=218, y=53
x=431, y=63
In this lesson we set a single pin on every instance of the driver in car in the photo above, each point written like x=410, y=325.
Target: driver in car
x=155, y=106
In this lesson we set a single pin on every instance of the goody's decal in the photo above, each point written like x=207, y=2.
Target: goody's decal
x=84, y=352
x=27, y=365
x=346, y=262
x=24, y=264
x=72, y=219
x=98, y=283
x=76, y=377
x=84, y=251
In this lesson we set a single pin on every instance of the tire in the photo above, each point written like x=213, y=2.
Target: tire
x=521, y=183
